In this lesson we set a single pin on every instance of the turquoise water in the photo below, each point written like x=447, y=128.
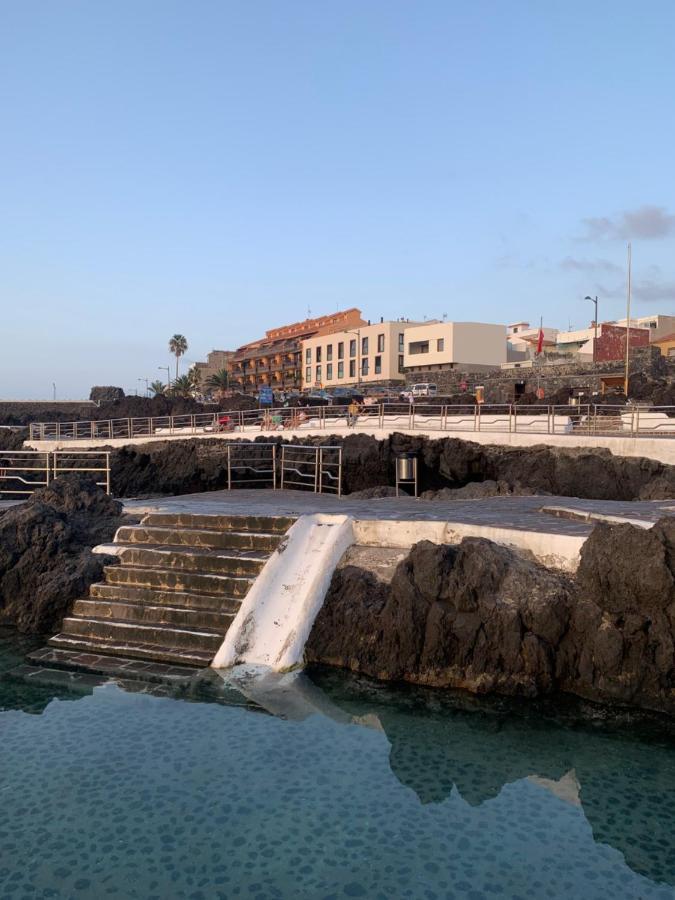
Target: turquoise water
x=386, y=793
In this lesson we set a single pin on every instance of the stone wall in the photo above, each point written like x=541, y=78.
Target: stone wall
x=502, y=386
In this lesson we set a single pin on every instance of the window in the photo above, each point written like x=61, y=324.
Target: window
x=380, y=343
x=400, y=343
x=400, y=362
x=329, y=353
x=341, y=370
x=341, y=350
x=329, y=372
x=318, y=374
x=378, y=365
x=364, y=346
x=440, y=345
x=352, y=348
x=352, y=368
x=308, y=355
x=418, y=347
x=308, y=374
x=318, y=354
x=364, y=365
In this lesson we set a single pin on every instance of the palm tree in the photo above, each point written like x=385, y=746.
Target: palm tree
x=219, y=381
x=157, y=388
x=178, y=345
x=182, y=387
x=195, y=377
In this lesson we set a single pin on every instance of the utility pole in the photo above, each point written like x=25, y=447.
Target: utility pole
x=625, y=386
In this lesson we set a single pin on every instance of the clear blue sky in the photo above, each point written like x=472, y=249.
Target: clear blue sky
x=215, y=168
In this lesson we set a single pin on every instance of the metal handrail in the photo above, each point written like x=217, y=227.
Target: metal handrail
x=308, y=467
x=635, y=421
x=16, y=464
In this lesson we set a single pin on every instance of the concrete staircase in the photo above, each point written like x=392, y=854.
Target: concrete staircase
x=172, y=598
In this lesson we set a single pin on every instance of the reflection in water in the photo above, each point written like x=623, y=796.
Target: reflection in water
x=622, y=774
x=350, y=789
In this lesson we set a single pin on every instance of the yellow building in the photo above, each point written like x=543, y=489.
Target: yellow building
x=367, y=354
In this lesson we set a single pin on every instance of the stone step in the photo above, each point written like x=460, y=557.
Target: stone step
x=132, y=594
x=259, y=524
x=132, y=650
x=150, y=614
x=119, y=631
x=176, y=580
x=221, y=562
x=105, y=665
x=197, y=537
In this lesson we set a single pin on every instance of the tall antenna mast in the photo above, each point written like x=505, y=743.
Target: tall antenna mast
x=625, y=384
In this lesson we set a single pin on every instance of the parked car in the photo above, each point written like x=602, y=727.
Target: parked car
x=343, y=396
x=424, y=389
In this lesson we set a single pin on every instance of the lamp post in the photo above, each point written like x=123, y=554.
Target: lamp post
x=147, y=389
x=594, y=300
x=168, y=375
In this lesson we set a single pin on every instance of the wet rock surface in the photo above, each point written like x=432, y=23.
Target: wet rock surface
x=478, y=617
x=45, y=551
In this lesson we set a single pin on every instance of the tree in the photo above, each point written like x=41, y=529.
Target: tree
x=178, y=346
x=182, y=387
x=218, y=382
x=158, y=388
x=195, y=378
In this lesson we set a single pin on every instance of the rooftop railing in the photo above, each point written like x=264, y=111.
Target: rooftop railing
x=580, y=419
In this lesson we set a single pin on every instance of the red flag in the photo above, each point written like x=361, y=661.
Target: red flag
x=540, y=341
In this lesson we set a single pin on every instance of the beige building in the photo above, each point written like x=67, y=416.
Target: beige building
x=367, y=354
x=469, y=346
x=659, y=326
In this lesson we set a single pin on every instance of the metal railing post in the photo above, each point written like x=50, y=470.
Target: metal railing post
x=283, y=464
x=274, y=467
x=637, y=421
x=229, y=468
x=107, y=473
x=317, y=479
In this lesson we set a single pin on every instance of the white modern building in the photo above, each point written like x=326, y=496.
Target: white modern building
x=367, y=354
x=471, y=346
x=522, y=341
x=659, y=326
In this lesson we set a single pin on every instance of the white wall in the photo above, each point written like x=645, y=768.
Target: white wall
x=472, y=343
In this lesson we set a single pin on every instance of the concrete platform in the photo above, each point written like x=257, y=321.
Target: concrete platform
x=552, y=538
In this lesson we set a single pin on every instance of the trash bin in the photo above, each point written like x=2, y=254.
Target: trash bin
x=405, y=467
x=406, y=471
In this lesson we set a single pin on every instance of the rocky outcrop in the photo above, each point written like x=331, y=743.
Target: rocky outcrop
x=45, y=551
x=448, y=463
x=620, y=643
x=107, y=394
x=478, y=617
x=12, y=438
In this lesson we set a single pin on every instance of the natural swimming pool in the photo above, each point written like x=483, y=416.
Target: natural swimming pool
x=385, y=793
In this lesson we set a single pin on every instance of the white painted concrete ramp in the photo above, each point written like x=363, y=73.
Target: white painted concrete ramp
x=276, y=617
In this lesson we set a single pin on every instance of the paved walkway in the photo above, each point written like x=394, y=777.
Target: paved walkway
x=520, y=513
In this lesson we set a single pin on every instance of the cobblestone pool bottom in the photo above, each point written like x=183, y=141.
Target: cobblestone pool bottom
x=127, y=794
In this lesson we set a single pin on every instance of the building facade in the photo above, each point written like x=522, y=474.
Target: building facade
x=216, y=361
x=367, y=354
x=276, y=360
x=438, y=346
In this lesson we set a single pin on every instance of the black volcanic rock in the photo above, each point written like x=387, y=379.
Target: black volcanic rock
x=479, y=617
x=45, y=551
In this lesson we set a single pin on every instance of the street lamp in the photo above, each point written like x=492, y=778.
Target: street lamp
x=594, y=300
x=147, y=389
x=168, y=375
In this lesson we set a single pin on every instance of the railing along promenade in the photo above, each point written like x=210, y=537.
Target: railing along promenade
x=586, y=419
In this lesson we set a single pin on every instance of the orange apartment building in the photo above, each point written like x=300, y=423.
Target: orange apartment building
x=275, y=360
